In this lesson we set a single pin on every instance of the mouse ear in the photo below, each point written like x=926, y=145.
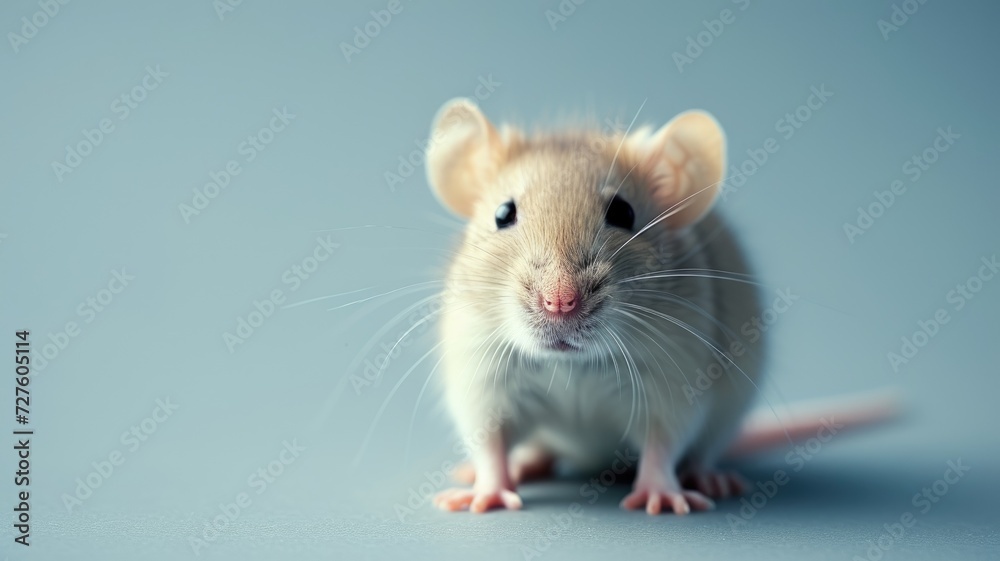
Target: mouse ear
x=683, y=163
x=464, y=153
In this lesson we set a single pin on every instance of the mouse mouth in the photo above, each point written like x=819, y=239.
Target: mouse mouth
x=561, y=345
x=564, y=334
x=563, y=337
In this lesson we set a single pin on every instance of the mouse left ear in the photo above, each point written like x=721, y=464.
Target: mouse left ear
x=464, y=153
x=682, y=163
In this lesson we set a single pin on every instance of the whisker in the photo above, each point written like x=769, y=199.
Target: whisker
x=611, y=354
x=496, y=337
x=617, y=189
x=555, y=366
x=636, y=381
x=380, y=226
x=677, y=207
x=415, y=325
x=691, y=275
x=657, y=343
x=413, y=416
x=614, y=159
x=393, y=291
x=694, y=332
x=311, y=300
x=338, y=390
x=691, y=306
x=506, y=368
x=385, y=404
x=624, y=137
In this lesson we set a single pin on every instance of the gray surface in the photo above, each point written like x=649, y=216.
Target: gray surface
x=162, y=336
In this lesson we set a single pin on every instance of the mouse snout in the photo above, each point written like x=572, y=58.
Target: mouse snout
x=559, y=298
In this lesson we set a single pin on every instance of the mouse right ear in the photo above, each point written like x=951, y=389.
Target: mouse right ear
x=464, y=152
x=683, y=163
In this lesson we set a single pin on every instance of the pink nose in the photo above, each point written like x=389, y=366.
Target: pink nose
x=561, y=301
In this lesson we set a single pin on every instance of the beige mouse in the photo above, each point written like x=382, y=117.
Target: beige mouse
x=593, y=280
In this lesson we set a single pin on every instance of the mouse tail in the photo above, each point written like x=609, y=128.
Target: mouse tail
x=762, y=431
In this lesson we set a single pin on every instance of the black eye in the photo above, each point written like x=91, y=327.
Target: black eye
x=619, y=214
x=506, y=214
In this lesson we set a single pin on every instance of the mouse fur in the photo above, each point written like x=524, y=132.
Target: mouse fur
x=648, y=306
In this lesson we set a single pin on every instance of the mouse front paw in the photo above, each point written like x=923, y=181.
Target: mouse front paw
x=716, y=484
x=654, y=497
x=477, y=500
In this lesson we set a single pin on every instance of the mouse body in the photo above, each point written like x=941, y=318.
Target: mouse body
x=592, y=283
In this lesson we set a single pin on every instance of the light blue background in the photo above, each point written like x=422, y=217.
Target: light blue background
x=162, y=336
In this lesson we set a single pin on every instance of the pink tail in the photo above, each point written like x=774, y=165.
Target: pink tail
x=763, y=431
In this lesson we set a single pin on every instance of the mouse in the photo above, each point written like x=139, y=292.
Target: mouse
x=594, y=279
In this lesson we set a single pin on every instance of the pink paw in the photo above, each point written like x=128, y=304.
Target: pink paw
x=654, y=497
x=477, y=500
x=716, y=484
x=464, y=473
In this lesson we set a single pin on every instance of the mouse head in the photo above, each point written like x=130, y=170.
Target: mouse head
x=557, y=224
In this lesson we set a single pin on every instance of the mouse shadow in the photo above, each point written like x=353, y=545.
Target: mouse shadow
x=846, y=487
